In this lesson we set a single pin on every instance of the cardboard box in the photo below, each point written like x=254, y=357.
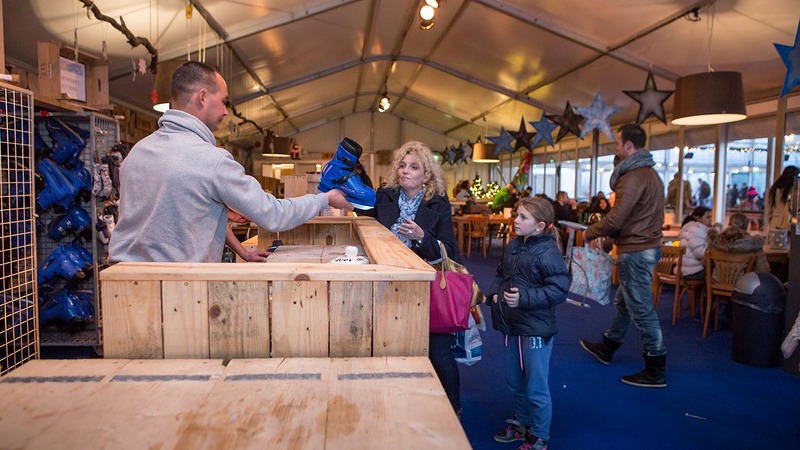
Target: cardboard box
x=52, y=76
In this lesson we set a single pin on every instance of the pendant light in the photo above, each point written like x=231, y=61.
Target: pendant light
x=484, y=153
x=709, y=98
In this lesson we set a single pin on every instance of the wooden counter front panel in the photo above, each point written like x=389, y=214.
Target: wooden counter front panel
x=132, y=319
x=351, y=318
x=402, y=317
x=238, y=319
x=300, y=318
x=185, y=316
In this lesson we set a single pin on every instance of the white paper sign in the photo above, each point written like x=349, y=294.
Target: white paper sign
x=73, y=79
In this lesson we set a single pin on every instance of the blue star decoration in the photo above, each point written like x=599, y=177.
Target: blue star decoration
x=569, y=122
x=465, y=151
x=450, y=153
x=597, y=115
x=650, y=100
x=791, y=58
x=502, y=142
x=522, y=137
x=544, y=130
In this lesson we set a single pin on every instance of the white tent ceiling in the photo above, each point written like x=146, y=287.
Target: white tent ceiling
x=295, y=65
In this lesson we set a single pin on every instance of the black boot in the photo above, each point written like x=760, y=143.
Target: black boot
x=603, y=351
x=653, y=375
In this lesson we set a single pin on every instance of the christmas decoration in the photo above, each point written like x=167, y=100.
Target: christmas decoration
x=502, y=142
x=569, y=122
x=544, y=130
x=450, y=155
x=650, y=100
x=791, y=58
x=597, y=115
x=465, y=151
x=477, y=187
x=522, y=137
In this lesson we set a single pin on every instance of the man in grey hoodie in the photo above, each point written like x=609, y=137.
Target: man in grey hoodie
x=177, y=186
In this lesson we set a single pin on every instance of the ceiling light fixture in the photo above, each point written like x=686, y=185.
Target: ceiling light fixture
x=432, y=3
x=709, y=98
x=384, y=104
x=484, y=153
x=426, y=14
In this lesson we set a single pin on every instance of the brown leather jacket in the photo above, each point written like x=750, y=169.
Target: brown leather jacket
x=635, y=220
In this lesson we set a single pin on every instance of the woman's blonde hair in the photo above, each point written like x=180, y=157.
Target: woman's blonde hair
x=435, y=184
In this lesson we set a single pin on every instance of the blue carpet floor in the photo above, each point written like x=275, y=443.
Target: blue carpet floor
x=711, y=401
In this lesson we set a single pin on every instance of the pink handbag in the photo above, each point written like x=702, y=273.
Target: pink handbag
x=451, y=298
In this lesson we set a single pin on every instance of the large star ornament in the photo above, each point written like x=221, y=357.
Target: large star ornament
x=522, y=137
x=597, y=115
x=502, y=142
x=544, y=130
x=791, y=58
x=650, y=100
x=465, y=151
x=569, y=122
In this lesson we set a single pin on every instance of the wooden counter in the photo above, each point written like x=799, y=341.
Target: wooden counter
x=353, y=403
x=256, y=310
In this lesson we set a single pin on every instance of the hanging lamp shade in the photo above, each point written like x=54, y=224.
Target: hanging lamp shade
x=484, y=153
x=161, y=87
x=709, y=98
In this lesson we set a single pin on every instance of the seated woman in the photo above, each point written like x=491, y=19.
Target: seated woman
x=735, y=239
x=463, y=191
x=694, y=237
x=598, y=210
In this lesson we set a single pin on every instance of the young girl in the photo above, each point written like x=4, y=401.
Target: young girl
x=694, y=236
x=531, y=280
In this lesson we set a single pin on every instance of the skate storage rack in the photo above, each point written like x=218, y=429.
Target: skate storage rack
x=19, y=330
x=286, y=309
x=104, y=133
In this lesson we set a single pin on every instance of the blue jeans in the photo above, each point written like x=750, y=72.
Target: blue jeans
x=634, y=300
x=440, y=352
x=527, y=372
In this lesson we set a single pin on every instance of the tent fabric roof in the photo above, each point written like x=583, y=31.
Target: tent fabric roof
x=484, y=65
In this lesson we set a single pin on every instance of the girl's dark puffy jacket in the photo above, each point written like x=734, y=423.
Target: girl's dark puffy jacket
x=537, y=268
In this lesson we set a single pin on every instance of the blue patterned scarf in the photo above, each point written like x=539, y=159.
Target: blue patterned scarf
x=408, y=209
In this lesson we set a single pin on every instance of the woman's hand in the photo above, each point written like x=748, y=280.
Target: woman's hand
x=511, y=297
x=411, y=230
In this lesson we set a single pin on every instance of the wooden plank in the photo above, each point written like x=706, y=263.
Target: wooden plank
x=380, y=402
x=401, y=319
x=132, y=319
x=264, y=404
x=296, y=254
x=265, y=238
x=262, y=272
x=40, y=393
x=300, y=318
x=330, y=252
x=297, y=236
x=238, y=319
x=383, y=247
x=334, y=234
x=185, y=312
x=144, y=405
x=350, y=308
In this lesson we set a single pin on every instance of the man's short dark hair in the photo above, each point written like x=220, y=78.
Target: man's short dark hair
x=190, y=77
x=633, y=133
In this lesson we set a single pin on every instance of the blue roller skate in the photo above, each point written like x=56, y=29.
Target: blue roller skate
x=339, y=173
x=76, y=221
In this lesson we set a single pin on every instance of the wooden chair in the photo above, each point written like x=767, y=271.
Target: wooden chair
x=669, y=270
x=478, y=229
x=723, y=269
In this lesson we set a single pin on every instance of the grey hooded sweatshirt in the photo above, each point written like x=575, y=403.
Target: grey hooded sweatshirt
x=175, y=190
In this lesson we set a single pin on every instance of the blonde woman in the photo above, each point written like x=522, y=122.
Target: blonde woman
x=414, y=205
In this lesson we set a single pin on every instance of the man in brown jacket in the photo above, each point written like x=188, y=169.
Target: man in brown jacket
x=634, y=223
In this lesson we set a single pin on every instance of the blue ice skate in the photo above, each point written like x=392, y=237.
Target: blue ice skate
x=339, y=173
x=76, y=221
